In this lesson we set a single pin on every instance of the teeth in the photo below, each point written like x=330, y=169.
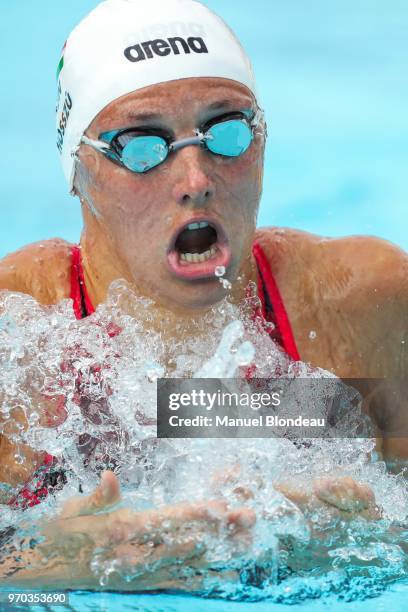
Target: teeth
x=198, y=257
x=194, y=226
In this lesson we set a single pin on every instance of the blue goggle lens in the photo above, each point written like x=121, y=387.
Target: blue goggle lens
x=141, y=153
x=230, y=138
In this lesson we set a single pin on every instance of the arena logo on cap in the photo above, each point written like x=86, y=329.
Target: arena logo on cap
x=161, y=47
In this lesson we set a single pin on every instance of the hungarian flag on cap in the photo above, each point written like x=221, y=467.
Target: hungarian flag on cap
x=61, y=62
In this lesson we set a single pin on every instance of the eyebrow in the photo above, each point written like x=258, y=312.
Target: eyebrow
x=219, y=105
x=144, y=116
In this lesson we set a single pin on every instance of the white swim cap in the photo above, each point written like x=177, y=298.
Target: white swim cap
x=125, y=45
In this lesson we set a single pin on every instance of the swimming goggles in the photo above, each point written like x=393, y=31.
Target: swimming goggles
x=141, y=149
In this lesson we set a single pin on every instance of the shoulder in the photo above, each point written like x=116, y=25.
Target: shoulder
x=366, y=262
x=352, y=290
x=41, y=269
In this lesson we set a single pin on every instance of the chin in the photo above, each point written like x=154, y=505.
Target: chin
x=198, y=298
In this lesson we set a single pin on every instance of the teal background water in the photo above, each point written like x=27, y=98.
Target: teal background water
x=332, y=78
x=333, y=81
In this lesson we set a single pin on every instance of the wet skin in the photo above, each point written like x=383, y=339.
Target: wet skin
x=352, y=292
x=136, y=216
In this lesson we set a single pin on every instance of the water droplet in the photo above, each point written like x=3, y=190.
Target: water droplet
x=269, y=326
x=103, y=580
x=33, y=419
x=219, y=271
x=312, y=335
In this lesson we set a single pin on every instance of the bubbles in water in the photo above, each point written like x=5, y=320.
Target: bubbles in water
x=225, y=283
x=19, y=459
x=219, y=271
x=98, y=377
x=312, y=335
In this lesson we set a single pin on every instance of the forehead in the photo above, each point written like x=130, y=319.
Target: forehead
x=185, y=98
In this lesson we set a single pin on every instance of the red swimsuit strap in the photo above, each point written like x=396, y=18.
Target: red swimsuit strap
x=81, y=301
x=273, y=309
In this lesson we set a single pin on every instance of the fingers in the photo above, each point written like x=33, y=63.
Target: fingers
x=212, y=514
x=344, y=493
x=166, y=544
x=106, y=494
x=160, y=554
x=244, y=518
x=182, y=538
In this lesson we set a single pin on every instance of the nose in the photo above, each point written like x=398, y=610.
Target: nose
x=194, y=185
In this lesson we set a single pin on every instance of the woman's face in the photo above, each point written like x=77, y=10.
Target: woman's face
x=143, y=218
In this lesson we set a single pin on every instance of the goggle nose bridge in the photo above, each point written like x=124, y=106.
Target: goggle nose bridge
x=198, y=139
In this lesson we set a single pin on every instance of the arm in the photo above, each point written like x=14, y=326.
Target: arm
x=387, y=402
x=160, y=549
x=153, y=549
x=41, y=270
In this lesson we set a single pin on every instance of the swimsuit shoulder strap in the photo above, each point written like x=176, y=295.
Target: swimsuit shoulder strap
x=273, y=309
x=81, y=301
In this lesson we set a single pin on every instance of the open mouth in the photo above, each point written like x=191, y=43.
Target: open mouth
x=197, y=249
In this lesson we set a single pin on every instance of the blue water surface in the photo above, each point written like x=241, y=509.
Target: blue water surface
x=332, y=78
x=395, y=600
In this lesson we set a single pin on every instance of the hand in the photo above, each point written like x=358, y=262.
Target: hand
x=342, y=493
x=155, y=549
x=346, y=494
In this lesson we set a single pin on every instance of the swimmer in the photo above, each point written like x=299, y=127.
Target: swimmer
x=162, y=140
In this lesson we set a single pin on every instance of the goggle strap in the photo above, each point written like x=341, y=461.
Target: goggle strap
x=257, y=118
x=99, y=145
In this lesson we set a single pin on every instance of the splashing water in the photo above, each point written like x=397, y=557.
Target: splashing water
x=87, y=389
x=219, y=273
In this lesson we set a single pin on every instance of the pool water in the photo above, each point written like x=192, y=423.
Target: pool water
x=394, y=600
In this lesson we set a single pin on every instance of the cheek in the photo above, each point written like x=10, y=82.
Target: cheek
x=240, y=180
x=136, y=215
x=125, y=200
